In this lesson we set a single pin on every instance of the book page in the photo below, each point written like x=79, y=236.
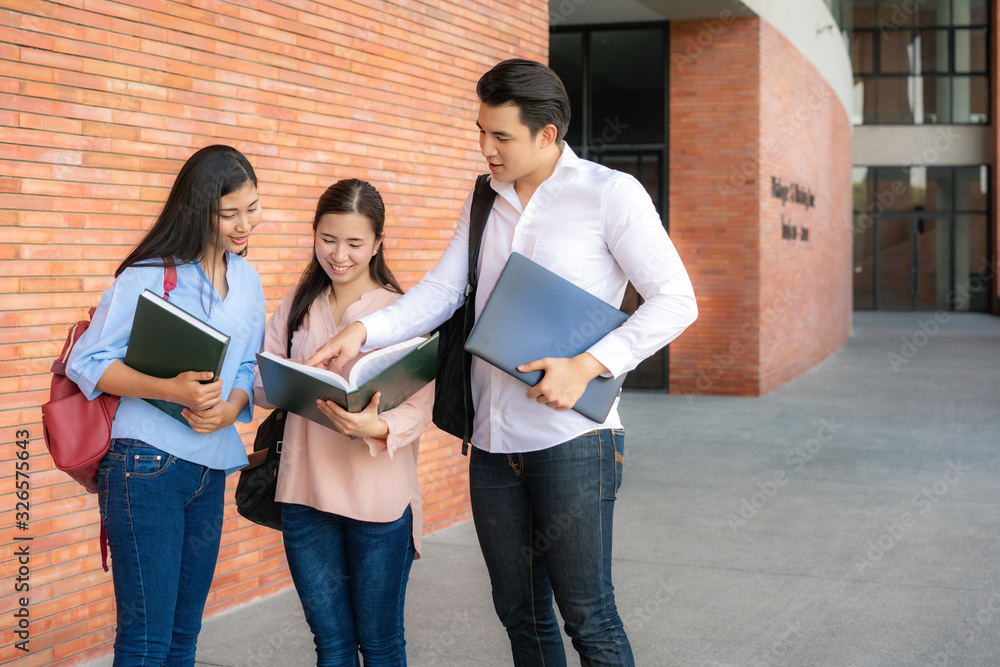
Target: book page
x=320, y=373
x=376, y=362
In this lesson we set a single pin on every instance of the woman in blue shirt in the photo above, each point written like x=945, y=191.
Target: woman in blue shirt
x=161, y=484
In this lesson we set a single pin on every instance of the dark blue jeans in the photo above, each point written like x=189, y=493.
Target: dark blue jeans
x=544, y=522
x=163, y=517
x=351, y=577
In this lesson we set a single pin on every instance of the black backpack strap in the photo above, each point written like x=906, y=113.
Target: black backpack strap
x=482, y=203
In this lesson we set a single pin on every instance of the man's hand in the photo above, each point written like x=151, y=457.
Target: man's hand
x=565, y=380
x=364, y=424
x=339, y=350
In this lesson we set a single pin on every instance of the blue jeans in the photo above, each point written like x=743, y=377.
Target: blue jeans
x=544, y=523
x=163, y=516
x=351, y=577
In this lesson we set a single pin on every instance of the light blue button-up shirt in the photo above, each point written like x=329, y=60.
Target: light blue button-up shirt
x=241, y=315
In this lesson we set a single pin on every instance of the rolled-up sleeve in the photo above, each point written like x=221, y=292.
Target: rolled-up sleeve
x=247, y=372
x=106, y=340
x=406, y=422
x=640, y=245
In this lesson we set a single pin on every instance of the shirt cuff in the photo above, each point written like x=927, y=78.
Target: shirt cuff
x=96, y=370
x=377, y=330
x=246, y=414
x=614, y=354
x=388, y=444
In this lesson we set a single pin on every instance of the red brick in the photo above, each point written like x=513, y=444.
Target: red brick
x=736, y=112
x=112, y=98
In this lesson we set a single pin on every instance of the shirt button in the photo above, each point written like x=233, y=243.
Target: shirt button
x=496, y=412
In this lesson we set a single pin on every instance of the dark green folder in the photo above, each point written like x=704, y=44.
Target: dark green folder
x=295, y=387
x=167, y=341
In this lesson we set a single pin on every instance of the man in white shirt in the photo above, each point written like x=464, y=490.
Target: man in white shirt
x=543, y=478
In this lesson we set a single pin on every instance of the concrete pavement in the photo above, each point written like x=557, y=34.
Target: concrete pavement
x=851, y=518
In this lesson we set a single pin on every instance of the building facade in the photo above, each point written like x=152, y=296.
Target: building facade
x=807, y=157
x=924, y=154
x=735, y=115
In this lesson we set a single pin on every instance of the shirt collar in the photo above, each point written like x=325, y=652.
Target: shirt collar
x=567, y=160
x=368, y=303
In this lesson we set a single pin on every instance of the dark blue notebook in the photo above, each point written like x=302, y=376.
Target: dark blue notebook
x=533, y=313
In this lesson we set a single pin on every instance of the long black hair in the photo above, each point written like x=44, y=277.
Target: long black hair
x=350, y=195
x=187, y=226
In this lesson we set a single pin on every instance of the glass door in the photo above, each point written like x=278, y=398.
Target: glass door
x=895, y=264
x=914, y=262
x=932, y=239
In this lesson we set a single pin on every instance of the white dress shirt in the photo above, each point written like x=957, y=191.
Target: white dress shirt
x=592, y=225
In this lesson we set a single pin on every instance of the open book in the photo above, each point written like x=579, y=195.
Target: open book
x=167, y=341
x=397, y=371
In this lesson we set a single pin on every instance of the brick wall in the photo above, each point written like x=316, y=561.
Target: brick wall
x=714, y=202
x=746, y=106
x=806, y=285
x=100, y=106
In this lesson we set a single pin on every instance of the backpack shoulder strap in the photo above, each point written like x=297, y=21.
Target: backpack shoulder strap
x=482, y=204
x=169, y=276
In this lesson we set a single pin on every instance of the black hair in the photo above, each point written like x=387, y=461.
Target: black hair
x=536, y=90
x=187, y=226
x=347, y=196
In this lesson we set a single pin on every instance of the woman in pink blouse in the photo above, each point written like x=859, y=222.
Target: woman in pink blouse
x=351, y=513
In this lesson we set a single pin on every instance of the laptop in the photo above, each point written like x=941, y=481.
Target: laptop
x=533, y=313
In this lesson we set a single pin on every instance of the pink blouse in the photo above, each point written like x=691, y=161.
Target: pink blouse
x=367, y=479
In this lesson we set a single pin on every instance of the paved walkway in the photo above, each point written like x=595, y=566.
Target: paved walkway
x=850, y=518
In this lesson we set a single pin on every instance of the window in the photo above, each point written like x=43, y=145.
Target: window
x=616, y=78
x=616, y=81
x=921, y=238
x=920, y=63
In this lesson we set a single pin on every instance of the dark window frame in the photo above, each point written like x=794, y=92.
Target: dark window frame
x=950, y=75
x=586, y=148
x=950, y=214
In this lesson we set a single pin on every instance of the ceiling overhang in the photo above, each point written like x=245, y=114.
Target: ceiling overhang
x=587, y=12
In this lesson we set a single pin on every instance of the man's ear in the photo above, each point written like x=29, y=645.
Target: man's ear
x=547, y=136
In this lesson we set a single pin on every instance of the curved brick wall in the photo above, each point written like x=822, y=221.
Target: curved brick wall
x=746, y=106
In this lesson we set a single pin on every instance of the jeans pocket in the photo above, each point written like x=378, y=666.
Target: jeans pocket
x=618, y=437
x=612, y=443
x=144, y=462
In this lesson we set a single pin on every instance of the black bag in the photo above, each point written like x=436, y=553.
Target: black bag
x=259, y=480
x=453, y=410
